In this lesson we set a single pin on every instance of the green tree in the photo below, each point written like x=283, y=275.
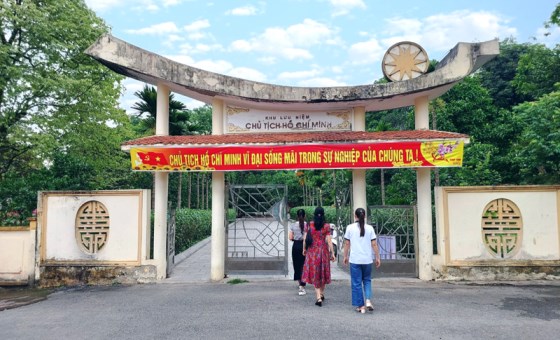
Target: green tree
x=498, y=74
x=555, y=16
x=45, y=76
x=537, y=71
x=58, y=106
x=538, y=149
x=146, y=112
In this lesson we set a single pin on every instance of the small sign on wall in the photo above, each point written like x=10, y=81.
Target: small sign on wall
x=245, y=120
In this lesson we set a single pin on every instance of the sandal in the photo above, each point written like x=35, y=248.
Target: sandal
x=319, y=303
x=361, y=310
x=369, y=306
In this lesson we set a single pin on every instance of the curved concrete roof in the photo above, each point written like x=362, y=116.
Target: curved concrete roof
x=134, y=62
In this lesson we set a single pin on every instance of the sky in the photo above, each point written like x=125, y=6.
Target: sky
x=312, y=42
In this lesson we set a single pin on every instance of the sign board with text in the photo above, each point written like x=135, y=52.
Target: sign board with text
x=244, y=120
x=411, y=154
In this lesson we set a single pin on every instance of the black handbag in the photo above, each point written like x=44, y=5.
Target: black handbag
x=308, y=238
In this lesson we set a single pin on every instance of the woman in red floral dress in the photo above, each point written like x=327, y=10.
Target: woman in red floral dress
x=317, y=268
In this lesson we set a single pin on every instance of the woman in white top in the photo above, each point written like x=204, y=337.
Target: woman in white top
x=296, y=235
x=360, y=242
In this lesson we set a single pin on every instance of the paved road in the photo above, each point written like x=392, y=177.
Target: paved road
x=188, y=306
x=273, y=310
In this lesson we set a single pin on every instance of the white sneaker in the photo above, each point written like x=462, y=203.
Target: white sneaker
x=301, y=291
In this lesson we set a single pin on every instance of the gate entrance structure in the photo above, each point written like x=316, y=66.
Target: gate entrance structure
x=259, y=126
x=396, y=231
x=257, y=237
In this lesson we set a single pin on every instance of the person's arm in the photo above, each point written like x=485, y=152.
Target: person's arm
x=376, y=251
x=291, y=235
x=304, y=243
x=346, y=250
x=331, y=250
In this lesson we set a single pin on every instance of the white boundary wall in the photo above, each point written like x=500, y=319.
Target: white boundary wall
x=17, y=254
x=462, y=253
x=126, y=244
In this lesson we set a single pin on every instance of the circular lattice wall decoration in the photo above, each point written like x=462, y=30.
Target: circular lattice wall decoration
x=92, y=227
x=502, y=228
x=404, y=61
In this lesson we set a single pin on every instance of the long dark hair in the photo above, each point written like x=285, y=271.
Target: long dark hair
x=301, y=219
x=361, y=215
x=319, y=218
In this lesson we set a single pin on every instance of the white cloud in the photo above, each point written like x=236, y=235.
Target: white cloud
x=204, y=48
x=289, y=43
x=136, y=5
x=195, y=28
x=548, y=36
x=267, y=60
x=337, y=69
x=128, y=98
x=132, y=85
x=441, y=32
x=399, y=25
x=243, y=11
x=102, y=5
x=299, y=74
x=241, y=46
x=365, y=52
x=197, y=36
x=152, y=8
x=199, y=48
x=181, y=58
x=197, y=25
x=172, y=39
x=343, y=7
x=218, y=66
x=157, y=29
x=190, y=103
x=167, y=3
x=247, y=73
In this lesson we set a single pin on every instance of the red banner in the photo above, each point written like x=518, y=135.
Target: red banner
x=303, y=156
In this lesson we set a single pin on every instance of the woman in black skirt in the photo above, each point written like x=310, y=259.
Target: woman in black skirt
x=296, y=235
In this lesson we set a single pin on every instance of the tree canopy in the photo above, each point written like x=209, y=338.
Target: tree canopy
x=58, y=107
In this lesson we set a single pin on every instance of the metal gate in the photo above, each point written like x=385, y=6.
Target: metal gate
x=170, y=242
x=257, y=237
x=344, y=216
x=396, y=229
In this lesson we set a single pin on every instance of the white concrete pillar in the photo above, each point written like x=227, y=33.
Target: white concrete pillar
x=359, y=119
x=161, y=181
x=358, y=189
x=162, y=110
x=359, y=175
x=160, y=222
x=218, y=255
x=421, y=113
x=424, y=199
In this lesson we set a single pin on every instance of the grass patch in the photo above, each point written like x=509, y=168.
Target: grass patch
x=237, y=281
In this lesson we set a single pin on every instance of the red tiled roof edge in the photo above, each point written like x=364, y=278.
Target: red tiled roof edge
x=295, y=138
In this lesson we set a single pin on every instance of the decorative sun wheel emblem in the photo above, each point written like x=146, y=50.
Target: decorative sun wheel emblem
x=405, y=60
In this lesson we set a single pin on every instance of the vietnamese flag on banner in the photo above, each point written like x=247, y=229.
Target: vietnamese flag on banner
x=153, y=158
x=301, y=156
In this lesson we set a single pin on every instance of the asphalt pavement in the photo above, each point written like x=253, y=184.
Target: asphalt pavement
x=189, y=306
